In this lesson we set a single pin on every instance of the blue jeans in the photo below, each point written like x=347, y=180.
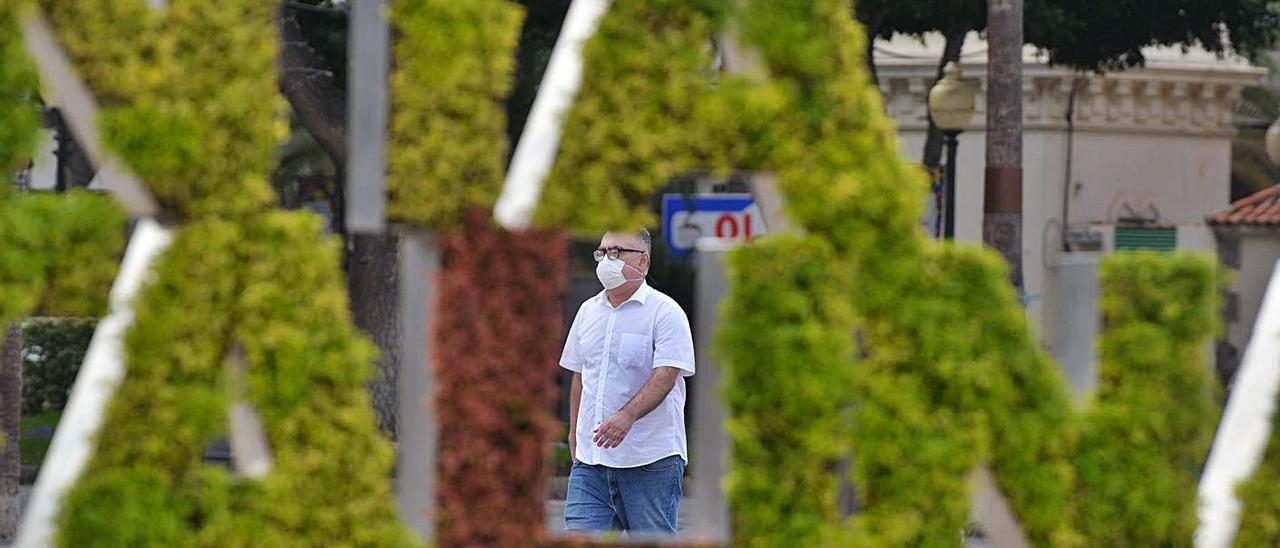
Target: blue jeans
x=644, y=499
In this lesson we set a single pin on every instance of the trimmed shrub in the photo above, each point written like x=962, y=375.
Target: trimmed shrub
x=786, y=325
x=497, y=342
x=633, y=125
x=841, y=174
x=1146, y=437
x=649, y=109
x=950, y=376
x=952, y=380
x=190, y=102
x=188, y=94
x=53, y=350
x=57, y=254
x=1260, y=507
x=18, y=110
x=924, y=401
x=272, y=286
x=447, y=141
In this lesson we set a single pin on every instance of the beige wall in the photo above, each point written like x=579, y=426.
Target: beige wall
x=1259, y=250
x=1183, y=177
x=1156, y=138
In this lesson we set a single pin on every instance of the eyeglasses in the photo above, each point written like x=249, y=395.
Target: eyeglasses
x=612, y=252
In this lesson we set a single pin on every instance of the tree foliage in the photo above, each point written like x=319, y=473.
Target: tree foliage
x=1092, y=35
x=53, y=350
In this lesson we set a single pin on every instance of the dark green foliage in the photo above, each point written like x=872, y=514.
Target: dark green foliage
x=1145, y=438
x=272, y=286
x=53, y=350
x=1092, y=35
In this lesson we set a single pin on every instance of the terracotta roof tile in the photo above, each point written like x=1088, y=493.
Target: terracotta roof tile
x=1259, y=209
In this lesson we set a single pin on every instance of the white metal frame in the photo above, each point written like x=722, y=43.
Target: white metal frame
x=540, y=141
x=1246, y=426
x=81, y=113
x=101, y=373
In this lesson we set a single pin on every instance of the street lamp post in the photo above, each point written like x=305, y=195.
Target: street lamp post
x=951, y=108
x=950, y=141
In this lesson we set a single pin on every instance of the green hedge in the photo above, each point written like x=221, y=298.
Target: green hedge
x=188, y=94
x=953, y=380
x=633, y=125
x=786, y=325
x=835, y=151
x=190, y=102
x=649, y=109
x=447, y=138
x=52, y=351
x=1260, y=507
x=1146, y=437
x=949, y=378
x=57, y=254
x=18, y=110
x=274, y=286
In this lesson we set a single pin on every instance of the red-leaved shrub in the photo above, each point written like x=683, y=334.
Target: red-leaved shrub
x=497, y=341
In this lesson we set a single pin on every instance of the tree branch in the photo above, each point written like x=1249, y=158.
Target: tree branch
x=309, y=85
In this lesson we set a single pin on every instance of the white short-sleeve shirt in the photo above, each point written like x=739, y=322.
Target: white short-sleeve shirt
x=616, y=351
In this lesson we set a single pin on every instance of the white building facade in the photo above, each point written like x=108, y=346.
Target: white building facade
x=1150, y=158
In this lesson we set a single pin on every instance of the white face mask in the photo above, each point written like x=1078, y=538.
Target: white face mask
x=609, y=271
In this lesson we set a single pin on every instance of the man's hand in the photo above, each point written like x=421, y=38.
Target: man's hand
x=613, y=431
x=573, y=446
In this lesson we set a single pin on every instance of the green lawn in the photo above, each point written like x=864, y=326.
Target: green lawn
x=33, y=449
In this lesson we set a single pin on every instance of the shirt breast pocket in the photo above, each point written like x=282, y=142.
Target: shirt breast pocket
x=634, y=350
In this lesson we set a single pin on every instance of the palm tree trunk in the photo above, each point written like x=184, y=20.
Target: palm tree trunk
x=1002, y=202
x=10, y=416
x=373, y=281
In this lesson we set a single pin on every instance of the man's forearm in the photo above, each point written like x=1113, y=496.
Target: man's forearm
x=652, y=393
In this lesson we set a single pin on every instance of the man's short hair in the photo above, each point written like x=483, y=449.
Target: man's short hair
x=647, y=238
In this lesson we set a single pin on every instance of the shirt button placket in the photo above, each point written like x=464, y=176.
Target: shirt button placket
x=604, y=374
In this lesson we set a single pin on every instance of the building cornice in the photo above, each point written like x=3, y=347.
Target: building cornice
x=1195, y=97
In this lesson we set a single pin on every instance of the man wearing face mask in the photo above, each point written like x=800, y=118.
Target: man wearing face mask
x=630, y=349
